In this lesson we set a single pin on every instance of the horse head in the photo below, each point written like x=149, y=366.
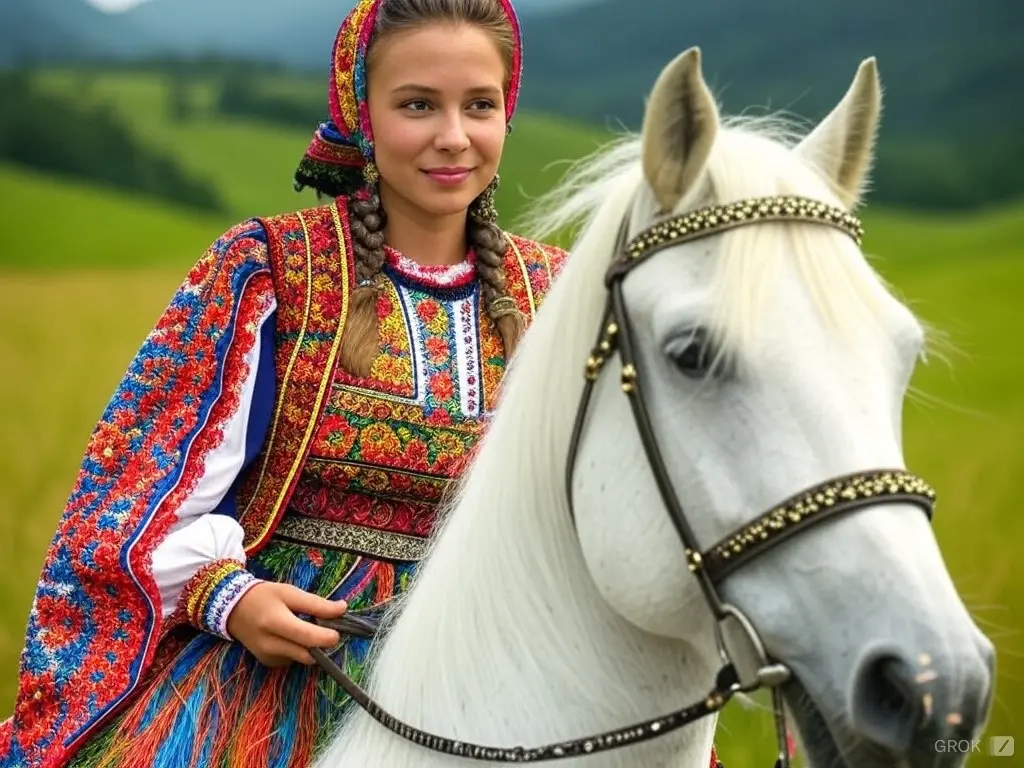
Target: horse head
x=737, y=476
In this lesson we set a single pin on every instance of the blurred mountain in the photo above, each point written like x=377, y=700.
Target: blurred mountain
x=298, y=33
x=953, y=121
x=951, y=69
x=944, y=64
x=65, y=30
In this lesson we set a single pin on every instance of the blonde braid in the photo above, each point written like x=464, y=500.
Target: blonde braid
x=360, y=342
x=491, y=246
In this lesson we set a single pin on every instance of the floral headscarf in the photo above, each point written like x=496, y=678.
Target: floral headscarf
x=343, y=145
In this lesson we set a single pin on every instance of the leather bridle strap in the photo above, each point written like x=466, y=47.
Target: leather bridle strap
x=813, y=505
x=842, y=494
x=726, y=686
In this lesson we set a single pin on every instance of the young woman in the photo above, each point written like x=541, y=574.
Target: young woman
x=279, y=446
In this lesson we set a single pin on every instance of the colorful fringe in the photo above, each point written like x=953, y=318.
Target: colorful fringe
x=214, y=706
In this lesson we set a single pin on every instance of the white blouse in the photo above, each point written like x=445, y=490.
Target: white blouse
x=198, y=538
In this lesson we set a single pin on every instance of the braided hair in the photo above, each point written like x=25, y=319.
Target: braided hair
x=490, y=245
x=360, y=342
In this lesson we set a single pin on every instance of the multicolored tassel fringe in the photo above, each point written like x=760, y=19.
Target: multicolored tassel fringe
x=214, y=706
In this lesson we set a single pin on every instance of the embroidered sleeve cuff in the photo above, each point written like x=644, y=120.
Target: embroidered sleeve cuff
x=212, y=592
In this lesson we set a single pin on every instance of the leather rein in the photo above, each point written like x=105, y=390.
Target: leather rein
x=746, y=665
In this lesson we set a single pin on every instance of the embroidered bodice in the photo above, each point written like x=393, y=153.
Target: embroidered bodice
x=388, y=445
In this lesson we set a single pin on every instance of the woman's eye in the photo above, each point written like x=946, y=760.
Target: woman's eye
x=418, y=105
x=691, y=353
x=483, y=104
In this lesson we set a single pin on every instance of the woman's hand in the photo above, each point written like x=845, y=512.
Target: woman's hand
x=264, y=621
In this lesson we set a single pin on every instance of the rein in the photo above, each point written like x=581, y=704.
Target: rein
x=746, y=664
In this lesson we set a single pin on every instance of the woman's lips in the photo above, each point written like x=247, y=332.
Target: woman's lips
x=448, y=176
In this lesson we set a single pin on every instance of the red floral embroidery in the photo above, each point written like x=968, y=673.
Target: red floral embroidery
x=415, y=457
x=311, y=340
x=442, y=387
x=386, y=462
x=95, y=626
x=437, y=350
x=427, y=311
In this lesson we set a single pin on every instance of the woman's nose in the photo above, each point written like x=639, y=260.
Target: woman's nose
x=452, y=136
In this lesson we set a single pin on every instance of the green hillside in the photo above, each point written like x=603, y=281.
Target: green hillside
x=252, y=162
x=85, y=271
x=88, y=227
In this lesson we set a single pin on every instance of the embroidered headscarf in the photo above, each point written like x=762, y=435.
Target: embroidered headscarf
x=342, y=146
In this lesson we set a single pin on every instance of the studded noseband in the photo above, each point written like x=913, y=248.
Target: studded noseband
x=746, y=665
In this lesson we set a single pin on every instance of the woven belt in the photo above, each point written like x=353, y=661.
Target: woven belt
x=348, y=537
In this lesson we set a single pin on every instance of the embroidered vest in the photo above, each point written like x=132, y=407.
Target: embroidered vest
x=362, y=463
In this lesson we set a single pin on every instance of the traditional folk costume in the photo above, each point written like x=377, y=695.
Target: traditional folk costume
x=235, y=449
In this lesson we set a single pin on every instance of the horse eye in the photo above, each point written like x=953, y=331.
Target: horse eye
x=691, y=352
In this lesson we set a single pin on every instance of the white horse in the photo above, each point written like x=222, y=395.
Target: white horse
x=772, y=358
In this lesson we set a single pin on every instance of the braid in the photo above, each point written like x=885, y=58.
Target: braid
x=360, y=342
x=491, y=246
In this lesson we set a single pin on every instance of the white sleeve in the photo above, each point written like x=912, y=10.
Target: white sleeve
x=197, y=538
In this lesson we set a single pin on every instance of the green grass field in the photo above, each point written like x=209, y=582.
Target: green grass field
x=84, y=272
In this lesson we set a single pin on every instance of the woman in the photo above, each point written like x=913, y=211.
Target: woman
x=281, y=442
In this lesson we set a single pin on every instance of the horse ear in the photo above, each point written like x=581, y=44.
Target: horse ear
x=680, y=125
x=843, y=144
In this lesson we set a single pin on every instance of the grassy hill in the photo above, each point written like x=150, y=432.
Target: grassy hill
x=252, y=162
x=90, y=228
x=84, y=272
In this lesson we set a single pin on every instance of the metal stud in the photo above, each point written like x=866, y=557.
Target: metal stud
x=628, y=379
x=851, y=490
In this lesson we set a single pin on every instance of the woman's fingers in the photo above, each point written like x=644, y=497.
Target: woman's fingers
x=285, y=624
x=275, y=651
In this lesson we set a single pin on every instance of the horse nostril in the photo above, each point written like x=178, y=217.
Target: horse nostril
x=893, y=689
x=886, y=706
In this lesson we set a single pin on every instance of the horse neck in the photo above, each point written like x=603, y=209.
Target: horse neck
x=503, y=639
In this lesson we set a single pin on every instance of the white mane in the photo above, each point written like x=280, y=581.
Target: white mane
x=505, y=572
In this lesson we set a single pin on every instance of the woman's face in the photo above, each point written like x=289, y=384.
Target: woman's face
x=436, y=102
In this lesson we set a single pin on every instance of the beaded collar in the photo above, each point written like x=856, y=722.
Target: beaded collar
x=432, y=276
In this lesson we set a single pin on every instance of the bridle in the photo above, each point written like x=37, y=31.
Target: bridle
x=747, y=666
